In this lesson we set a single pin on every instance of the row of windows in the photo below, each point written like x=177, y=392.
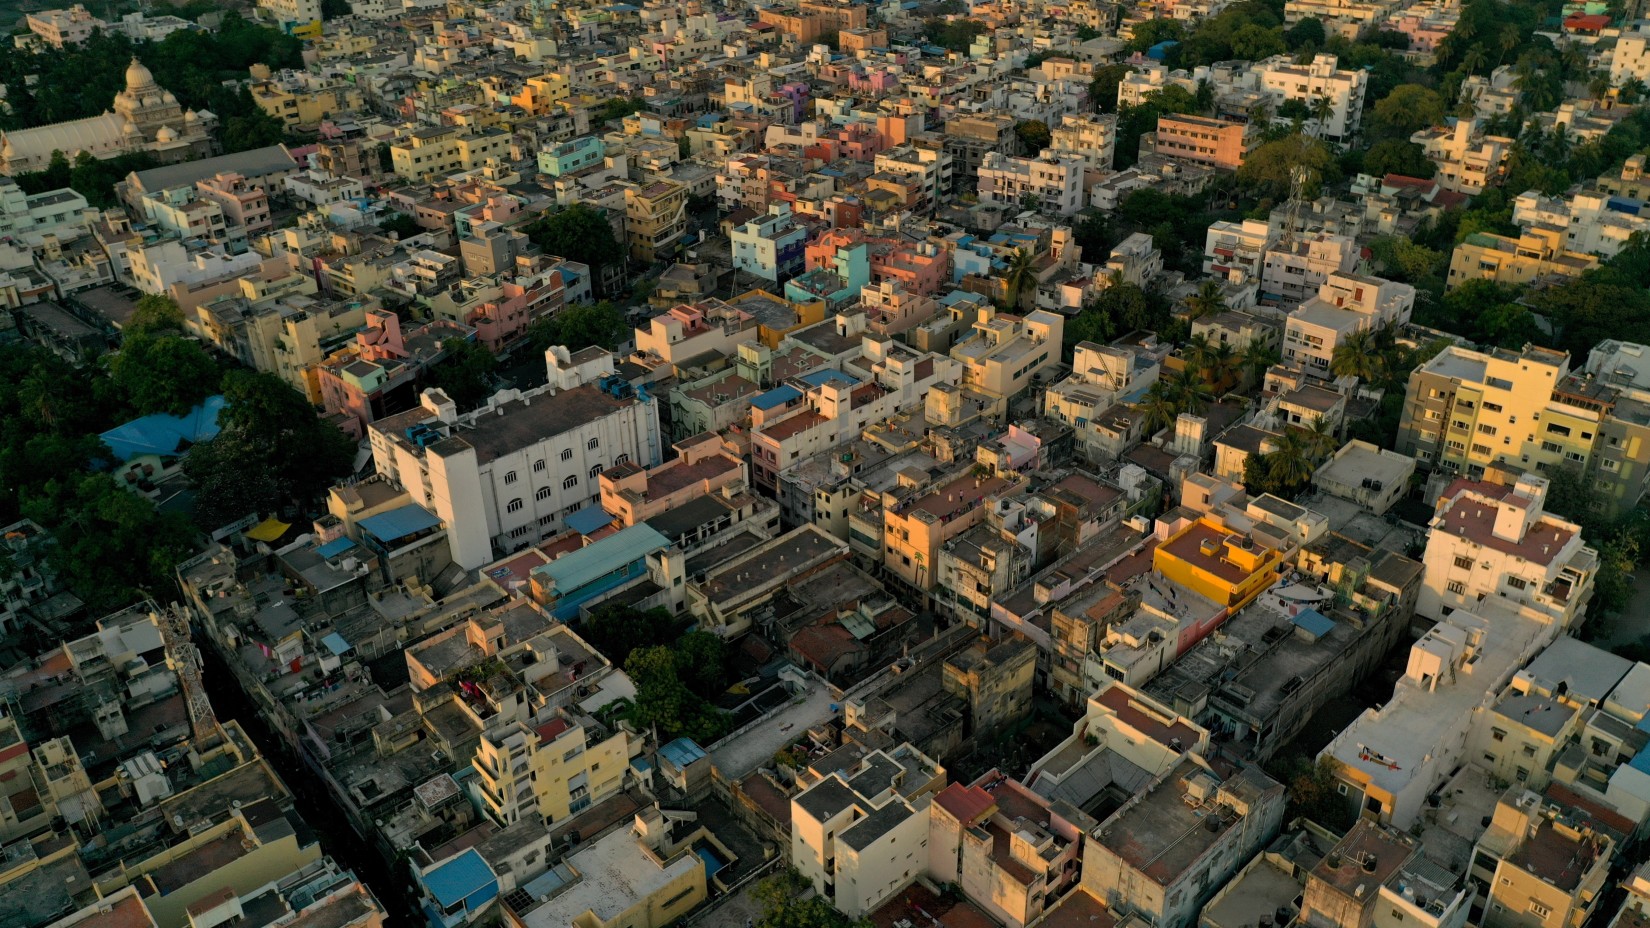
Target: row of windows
x=567, y=455
x=569, y=483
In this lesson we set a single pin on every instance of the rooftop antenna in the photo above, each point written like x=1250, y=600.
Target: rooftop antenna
x=1299, y=176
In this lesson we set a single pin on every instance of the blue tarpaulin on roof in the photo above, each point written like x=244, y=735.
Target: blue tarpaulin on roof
x=589, y=519
x=335, y=547
x=1313, y=622
x=399, y=523
x=778, y=396
x=164, y=434
x=336, y=644
x=821, y=377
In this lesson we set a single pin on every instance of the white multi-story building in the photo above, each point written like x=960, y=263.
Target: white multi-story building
x=30, y=217
x=1322, y=79
x=1489, y=541
x=1468, y=160
x=928, y=168
x=1295, y=268
x=1630, y=60
x=858, y=848
x=1054, y=181
x=1237, y=250
x=291, y=14
x=508, y=474
x=1090, y=137
x=1594, y=221
x=1345, y=304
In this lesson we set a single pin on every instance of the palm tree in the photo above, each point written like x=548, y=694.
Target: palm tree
x=1600, y=87
x=1209, y=299
x=1021, y=277
x=1321, y=440
x=1322, y=109
x=1190, y=391
x=1289, y=464
x=1356, y=356
x=1158, y=406
x=1257, y=358
x=1474, y=59
x=1223, y=362
x=1506, y=40
x=1197, y=352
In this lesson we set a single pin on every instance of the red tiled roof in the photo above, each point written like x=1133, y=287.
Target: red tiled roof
x=966, y=804
x=552, y=730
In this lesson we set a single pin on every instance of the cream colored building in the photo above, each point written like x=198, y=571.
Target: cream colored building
x=434, y=152
x=1539, y=251
x=1005, y=352
x=1468, y=160
x=860, y=848
x=1489, y=541
x=553, y=769
x=1089, y=137
x=1550, y=864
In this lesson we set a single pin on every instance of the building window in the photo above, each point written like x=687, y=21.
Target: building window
x=1539, y=910
x=1518, y=583
x=567, y=454
x=592, y=444
x=515, y=504
x=538, y=465
x=1457, y=587
x=1465, y=563
x=518, y=532
x=571, y=482
x=621, y=459
x=510, y=477
x=595, y=471
x=543, y=493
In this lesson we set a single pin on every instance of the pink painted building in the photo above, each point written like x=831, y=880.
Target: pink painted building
x=703, y=465
x=244, y=204
x=379, y=374
x=500, y=321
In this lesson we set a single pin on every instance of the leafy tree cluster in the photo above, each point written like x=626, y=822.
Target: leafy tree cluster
x=112, y=543
x=580, y=326
x=1287, y=468
x=617, y=108
x=78, y=82
x=465, y=372
x=403, y=225
x=953, y=34
x=1120, y=309
x=788, y=901
x=91, y=177
x=1033, y=135
x=616, y=630
x=580, y=233
x=675, y=686
x=271, y=455
x=1313, y=791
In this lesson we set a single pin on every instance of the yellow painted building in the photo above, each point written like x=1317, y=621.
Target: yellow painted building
x=1223, y=565
x=436, y=151
x=1539, y=252
x=552, y=769
x=295, y=105
x=544, y=94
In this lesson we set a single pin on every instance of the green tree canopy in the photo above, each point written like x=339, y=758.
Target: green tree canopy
x=164, y=373
x=580, y=233
x=272, y=453
x=465, y=373
x=1033, y=134
x=1269, y=169
x=580, y=326
x=1103, y=87
x=1408, y=109
x=1398, y=156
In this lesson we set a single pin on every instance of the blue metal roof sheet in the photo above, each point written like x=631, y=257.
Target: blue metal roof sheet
x=598, y=559
x=459, y=878
x=164, y=434
x=778, y=396
x=589, y=519
x=682, y=753
x=335, y=547
x=399, y=523
x=336, y=644
x=1314, y=622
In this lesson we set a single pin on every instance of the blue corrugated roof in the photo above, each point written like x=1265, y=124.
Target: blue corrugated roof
x=682, y=753
x=336, y=643
x=571, y=571
x=162, y=433
x=335, y=547
x=778, y=396
x=1314, y=622
x=399, y=523
x=589, y=519
x=1641, y=761
x=458, y=879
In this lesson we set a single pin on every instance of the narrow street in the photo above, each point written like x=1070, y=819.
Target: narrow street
x=310, y=796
